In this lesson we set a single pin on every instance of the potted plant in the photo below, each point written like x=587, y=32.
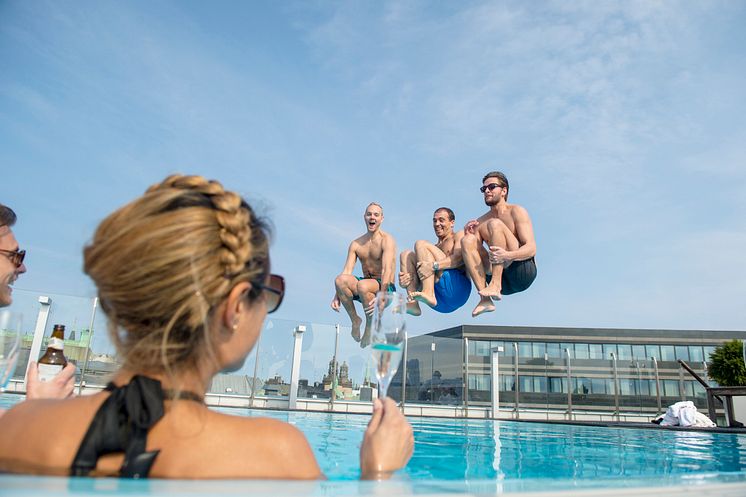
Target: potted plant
x=728, y=369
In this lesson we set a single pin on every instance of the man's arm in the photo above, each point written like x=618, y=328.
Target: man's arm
x=388, y=261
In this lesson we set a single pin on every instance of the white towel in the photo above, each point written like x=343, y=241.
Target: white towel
x=685, y=414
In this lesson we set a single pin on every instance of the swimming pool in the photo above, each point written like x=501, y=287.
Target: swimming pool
x=471, y=456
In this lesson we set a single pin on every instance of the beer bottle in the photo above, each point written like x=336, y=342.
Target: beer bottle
x=53, y=359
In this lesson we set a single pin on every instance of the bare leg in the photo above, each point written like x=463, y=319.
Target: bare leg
x=367, y=289
x=471, y=248
x=496, y=236
x=427, y=253
x=346, y=285
x=408, y=264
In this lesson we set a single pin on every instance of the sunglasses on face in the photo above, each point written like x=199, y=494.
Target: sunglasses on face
x=275, y=291
x=490, y=187
x=15, y=256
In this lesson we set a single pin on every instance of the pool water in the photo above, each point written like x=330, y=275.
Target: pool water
x=459, y=455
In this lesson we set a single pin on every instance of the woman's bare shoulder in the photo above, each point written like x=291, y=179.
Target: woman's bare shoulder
x=276, y=449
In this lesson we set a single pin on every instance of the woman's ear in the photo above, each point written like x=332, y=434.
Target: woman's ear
x=235, y=304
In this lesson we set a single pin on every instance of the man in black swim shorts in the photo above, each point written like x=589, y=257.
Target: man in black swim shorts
x=507, y=265
x=376, y=250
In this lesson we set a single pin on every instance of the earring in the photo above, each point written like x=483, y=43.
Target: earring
x=235, y=325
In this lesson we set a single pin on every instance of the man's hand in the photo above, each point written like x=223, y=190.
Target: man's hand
x=59, y=387
x=498, y=255
x=404, y=279
x=425, y=269
x=336, y=304
x=471, y=227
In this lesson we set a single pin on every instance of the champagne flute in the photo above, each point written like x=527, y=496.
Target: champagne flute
x=387, y=336
x=10, y=345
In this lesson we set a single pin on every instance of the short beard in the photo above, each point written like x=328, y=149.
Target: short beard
x=494, y=201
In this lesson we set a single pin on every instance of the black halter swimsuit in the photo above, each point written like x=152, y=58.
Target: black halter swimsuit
x=122, y=423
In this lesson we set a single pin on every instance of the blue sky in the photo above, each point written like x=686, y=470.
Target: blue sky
x=620, y=126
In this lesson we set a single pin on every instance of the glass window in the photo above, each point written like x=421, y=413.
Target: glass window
x=645, y=386
x=496, y=344
x=596, y=351
x=482, y=348
x=689, y=389
x=524, y=350
x=699, y=391
x=625, y=352
x=583, y=386
x=472, y=347
x=626, y=386
x=708, y=352
x=638, y=352
x=507, y=383
x=610, y=386
x=569, y=347
x=667, y=353
x=653, y=351
x=682, y=352
x=540, y=384
x=670, y=388
x=553, y=350
x=538, y=349
x=527, y=383
x=696, y=354
x=608, y=349
x=581, y=351
x=479, y=382
x=598, y=385
x=509, y=349
x=557, y=384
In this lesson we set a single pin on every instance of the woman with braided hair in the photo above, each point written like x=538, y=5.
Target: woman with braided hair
x=183, y=276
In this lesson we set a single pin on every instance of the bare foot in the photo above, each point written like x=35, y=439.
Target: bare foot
x=356, y=322
x=484, y=305
x=413, y=308
x=492, y=292
x=426, y=298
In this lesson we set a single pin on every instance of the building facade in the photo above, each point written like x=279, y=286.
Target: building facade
x=597, y=369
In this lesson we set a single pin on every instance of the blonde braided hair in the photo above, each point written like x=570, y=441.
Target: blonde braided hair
x=165, y=261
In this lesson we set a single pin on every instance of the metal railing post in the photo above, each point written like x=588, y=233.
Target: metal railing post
x=495, y=381
x=517, y=380
x=88, y=347
x=333, y=396
x=657, y=385
x=404, y=372
x=466, y=376
x=616, y=386
x=41, y=324
x=682, y=393
x=568, y=367
x=295, y=371
x=256, y=370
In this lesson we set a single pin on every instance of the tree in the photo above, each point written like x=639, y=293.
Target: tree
x=726, y=365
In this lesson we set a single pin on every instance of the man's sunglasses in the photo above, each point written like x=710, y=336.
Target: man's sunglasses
x=490, y=187
x=275, y=288
x=15, y=256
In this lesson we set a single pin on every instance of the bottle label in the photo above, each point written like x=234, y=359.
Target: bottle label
x=48, y=371
x=56, y=343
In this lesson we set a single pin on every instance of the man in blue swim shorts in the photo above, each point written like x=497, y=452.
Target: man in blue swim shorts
x=433, y=273
x=507, y=231
x=376, y=251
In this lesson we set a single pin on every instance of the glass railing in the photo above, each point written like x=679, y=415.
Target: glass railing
x=322, y=363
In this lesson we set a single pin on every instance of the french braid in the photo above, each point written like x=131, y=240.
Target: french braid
x=165, y=261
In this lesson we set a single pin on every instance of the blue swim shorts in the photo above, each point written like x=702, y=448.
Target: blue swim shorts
x=452, y=290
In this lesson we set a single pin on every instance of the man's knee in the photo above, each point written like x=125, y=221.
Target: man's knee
x=405, y=255
x=342, y=281
x=420, y=245
x=495, y=225
x=469, y=242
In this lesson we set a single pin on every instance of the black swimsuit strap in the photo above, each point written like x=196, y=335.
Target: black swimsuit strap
x=121, y=424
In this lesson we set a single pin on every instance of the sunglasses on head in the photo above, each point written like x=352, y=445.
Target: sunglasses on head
x=275, y=291
x=15, y=256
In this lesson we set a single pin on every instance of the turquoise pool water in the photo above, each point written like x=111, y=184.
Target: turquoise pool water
x=458, y=455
